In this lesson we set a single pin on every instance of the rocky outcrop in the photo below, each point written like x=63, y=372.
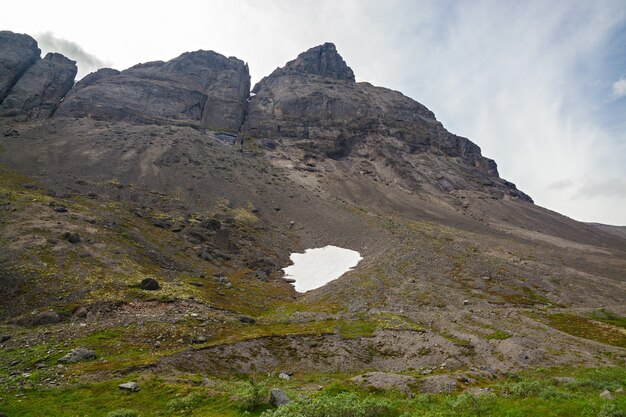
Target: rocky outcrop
x=17, y=53
x=40, y=89
x=314, y=105
x=200, y=88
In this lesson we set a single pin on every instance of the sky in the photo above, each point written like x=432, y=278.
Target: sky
x=539, y=86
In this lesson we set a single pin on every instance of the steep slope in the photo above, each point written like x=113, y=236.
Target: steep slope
x=461, y=270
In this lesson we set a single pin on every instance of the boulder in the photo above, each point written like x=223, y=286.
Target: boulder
x=71, y=237
x=38, y=319
x=17, y=53
x=278, y=397
x=438, y=384
x=78, y=355
x=131, y=386
x=149, y=284
x=607, y=395
x=386, y=381
x=200, y=88
x=39, y=91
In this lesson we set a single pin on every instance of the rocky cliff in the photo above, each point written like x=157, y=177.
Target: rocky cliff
x=309, y=110
x=202, y=88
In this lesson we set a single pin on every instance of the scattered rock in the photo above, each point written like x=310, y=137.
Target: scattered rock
x=385, y=381
x=606, y=394
x=278, y=397
x=620, y=390
x=78, y=355
x=29, y=186
x=565, y=379
x=196, y=284
x=81, y=312
x=4, y=338
x=149, y=284
x=129, y=386
x=207, y=382
x=71, y=237
x=289, y=280
x=247, y=319
x=199, y=339
x=60, y=209
x=285, y=375
x=466, y=302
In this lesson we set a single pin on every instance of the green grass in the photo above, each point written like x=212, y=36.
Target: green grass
x=534, y=393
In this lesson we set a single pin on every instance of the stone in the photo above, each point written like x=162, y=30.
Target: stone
x=17, y=53
x=71, y=237
x=285, y=375
x=4, y=338
x=565, y=379
x=620, y=390
x=606, y=394
x=247, y=320
x=278, y=397
x=201, y=87
x=39, y=91
x=199, y=339
x=60, y=209
x=149, y=284
x=78, y=355
x=385, y=381
x=81, y=313
x=131, y=386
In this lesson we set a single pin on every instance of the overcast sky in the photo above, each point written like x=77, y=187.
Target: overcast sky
x=539, y=85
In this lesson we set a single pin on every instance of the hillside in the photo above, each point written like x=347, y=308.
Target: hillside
x=178, y=172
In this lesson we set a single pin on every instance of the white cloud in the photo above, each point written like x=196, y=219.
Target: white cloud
x=619, y=88
x=506, y=74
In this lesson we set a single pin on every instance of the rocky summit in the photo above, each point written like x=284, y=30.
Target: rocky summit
x=146, y=216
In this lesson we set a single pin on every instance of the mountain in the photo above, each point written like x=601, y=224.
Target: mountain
x=177, y=172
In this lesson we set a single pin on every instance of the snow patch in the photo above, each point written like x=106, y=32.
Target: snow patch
x=317, y=267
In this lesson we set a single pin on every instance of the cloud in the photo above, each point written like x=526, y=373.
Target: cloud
x=85, y=61
x=560, y=185
x=607, y=187
x=619, y=88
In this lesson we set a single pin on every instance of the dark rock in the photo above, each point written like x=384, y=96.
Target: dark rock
x=29, y=186
x=4, y=338
x=149, y=284
x=196, y=284
x=39, y=91
x=210, y=224
x=278, y=397
x=60, y=209
x=81, y=312
x=222, y=239
x=196, y=235
x=71, y=237
x=11, y=133
x=247, y=319
x=129, y=386
x=78, y=355
x=202, y=87
x=17, y=53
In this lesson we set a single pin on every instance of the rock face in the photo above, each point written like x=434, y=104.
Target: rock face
x=17, y=53
x=202, y=88
x=314, y=107
x=40, y=89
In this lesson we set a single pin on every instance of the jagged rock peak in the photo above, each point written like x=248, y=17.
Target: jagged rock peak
x=322, y=60
x=18, y=53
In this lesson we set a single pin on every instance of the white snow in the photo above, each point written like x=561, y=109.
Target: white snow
x=317, y=267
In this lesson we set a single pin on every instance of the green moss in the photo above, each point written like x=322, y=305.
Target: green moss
x=498, y=335
x=587, y=328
